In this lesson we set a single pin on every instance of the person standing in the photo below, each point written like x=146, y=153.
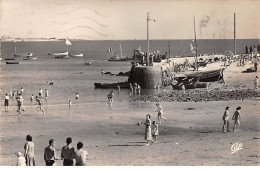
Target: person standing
x=160, y=113
x=50, y=153
x=6, y=102
x=46, y=94
x=19, y=104
x=70, y=103
x=22, y=90
x=67, y=153
x=256, y=83
x=237, y=118
x=29, y=151
x=225, y=119
x=155, y=131
x=39, y=102
x=110, y=97
x=148, y=130
x=31, y=98
x=40, y=93
x=80, y=155
x=77, y=97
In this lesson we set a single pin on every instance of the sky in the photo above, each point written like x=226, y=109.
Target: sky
x=126, y=19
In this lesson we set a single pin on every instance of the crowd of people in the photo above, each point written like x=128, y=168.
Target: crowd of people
x=69, y=155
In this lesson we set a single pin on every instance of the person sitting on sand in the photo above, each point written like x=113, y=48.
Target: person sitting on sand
x=256, y=83
x=20, y=159
x=236, y=117
x=225, y=119
x=148, y=130
x=39, y=102
x=29, y=151
x=160, y=113
x=80, y=155
x=155, y=131
x=67, y=153
x=50, y=154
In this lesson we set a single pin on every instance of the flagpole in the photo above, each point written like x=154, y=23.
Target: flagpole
x=196, y=60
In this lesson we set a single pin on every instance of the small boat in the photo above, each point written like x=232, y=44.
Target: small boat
x=87, y=62
x=59, y=54
x=22, y=55
x=117, y=58
x=112, y=85
x=61, y=57
x=9, y=58
x=12, y=62
x=77, y=55
x=30, y=58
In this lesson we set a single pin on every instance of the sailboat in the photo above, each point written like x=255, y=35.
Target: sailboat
x=205, y=76
x=62, y=55
x=118, y=58
x=30, y=54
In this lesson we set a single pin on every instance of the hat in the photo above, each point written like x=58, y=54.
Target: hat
x=18, y=154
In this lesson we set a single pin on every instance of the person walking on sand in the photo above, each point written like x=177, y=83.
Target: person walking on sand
x=148, y=129
x=46, y=94
x=31, y=98
x=39, y=102
x=40, y=93
x=80, y=155
x=155, y=131
x=50, y=153
x=110, y=97
x=225, y=119
x=29, y=151
x=19, y=100
x=20, y=159
x=6, y=102
x=256, y=83
x=160, y=113
x=67, y=153
x=237, y=118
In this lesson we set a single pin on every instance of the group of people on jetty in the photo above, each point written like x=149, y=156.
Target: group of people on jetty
x=69, y=154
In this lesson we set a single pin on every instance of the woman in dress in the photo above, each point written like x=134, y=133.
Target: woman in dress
x=148, y=129
x=29, y=151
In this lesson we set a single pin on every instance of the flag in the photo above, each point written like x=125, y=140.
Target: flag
x=109, y=50
x=68, y=42
x=192, y=49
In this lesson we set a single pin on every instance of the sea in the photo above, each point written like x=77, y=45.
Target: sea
x=71, y=76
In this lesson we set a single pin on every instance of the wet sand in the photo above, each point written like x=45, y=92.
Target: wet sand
x=192, y=135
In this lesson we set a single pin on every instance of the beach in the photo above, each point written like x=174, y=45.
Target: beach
x=192, y=134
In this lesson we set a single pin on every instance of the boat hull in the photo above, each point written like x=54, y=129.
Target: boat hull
x=112, y=85
x=62, y=57
x=12, y=63
x=207, y=76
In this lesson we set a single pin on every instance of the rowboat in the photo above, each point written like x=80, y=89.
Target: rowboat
x=58, y=54
x=61, y=57
x=76, y=55
x=30, y=58
x=207, y=76
x=12, y=62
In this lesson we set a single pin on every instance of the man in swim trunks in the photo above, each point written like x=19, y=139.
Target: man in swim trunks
x=67, y=152
x=50, y=154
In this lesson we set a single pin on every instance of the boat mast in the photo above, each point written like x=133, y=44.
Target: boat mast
x=121, y=50
x=196, y=58
x=235, y=34
x=148, y=19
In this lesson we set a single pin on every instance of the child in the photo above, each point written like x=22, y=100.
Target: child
x=31, y=98
x=20, y=159
x=236, y=117
x=155, y=131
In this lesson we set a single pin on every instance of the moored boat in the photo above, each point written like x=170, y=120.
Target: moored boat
x=61, y=57
x=12, y=62
x=208, y=76
x=30, y=58
x=112, y=85
x=76, y=55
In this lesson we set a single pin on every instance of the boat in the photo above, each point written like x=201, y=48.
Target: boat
x=58, y=54
x=76, y=55
x=9, y=58
x=12, y=62
x=30, y=58
x=61, y=57
x=22, y=55
x=112, y=85
x=188, y=83
x=87, y=62
x=118, y=58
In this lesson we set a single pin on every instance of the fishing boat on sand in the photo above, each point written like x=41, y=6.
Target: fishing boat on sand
x=112, y=85
x=188, y=83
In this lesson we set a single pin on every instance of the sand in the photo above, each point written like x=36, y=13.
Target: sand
x=192, y=135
